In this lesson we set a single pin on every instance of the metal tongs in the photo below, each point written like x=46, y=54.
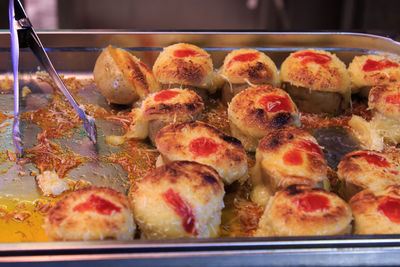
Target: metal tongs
x=23, y=35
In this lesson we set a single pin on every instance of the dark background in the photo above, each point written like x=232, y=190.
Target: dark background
x=372, y=16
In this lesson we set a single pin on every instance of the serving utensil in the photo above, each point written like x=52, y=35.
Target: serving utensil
x=23, y=35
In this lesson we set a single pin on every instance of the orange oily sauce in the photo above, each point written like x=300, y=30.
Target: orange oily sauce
x=21, y=221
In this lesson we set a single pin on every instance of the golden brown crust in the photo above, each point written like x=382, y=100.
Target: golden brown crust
x=385, y=99
x=185, y=103
x=197, y=194
x=248, y=113
x=370, y=218
x=367, y=78
x=228, y=157
x=368, y=169
x=290, y=156
x=289, y=213
x=93, y=213
x=192, y=67
x=123, y=78
x=249, y=65
x=331, y=76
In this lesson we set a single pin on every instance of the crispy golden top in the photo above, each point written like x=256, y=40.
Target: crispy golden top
x=292, y=154
x=260, y=108
x=172, y=102
x=385, y=99
x=304, y=210
x=370, y=169
x=184, y=64
x=249, y=65
x=316, y=69
x=377, y=212
x=198, y=141
x=186, y=173
x=104, y=211
x=371, y=70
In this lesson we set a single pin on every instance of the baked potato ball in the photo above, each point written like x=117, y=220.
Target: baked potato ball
x=256, y=110
x=94, y=213
x=301, y=210
x=367, y=71
x=122, y=78
x=188, y=66
x=383, y=129
x=245, y=67
x=376, y=212
x=287, y=156
x=179, y=199
x=367, y=169
x=317, y=81
x=162, y=108
x=203, y=143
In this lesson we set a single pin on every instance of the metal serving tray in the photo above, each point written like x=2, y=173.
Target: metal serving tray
x=74, y=53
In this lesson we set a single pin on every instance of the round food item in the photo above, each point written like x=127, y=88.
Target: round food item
x=94, y=213
x=246, y=66
x=317, y=81
x=162, y=108
x=369, y=70
x=368, y=169
x=185, y=65
x=289, y=156
x=256, y=110
x=385, y=99
x=179, y=199
x=122, y=78
x=203, y=143
x=376, y=212
x=300, y=210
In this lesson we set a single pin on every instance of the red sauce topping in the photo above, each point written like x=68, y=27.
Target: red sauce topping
x=372, y=65
x=203, y=146
x=394, y=172
x=390, y=206
x=186, y=53
x=309, y=56
x=313, y=202
x=165, y=95
x=97, y=204
x=182, y=209
x=374, y=159
x=276, y=103
x=293, y=157
x=244, y=58
x=309, y=146
x=393, y=99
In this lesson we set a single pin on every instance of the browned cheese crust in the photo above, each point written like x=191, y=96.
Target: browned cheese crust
x=94, y=213
x=368, y=169
x=250, y=115
x=290, y=156
x=184, y=105
x=376, y=212
x=179, y=199
x=299, y=210
x=371, y=70
x=385, y=99
x=185, y=64
x=123, y=78
x=331, y=76
x=249, y=65
x=203, y=143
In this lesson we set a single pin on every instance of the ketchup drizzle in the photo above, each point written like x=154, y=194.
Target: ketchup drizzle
x=97, y=204
x=182, y=209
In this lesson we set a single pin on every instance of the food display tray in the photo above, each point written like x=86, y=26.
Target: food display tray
x=74, y=53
